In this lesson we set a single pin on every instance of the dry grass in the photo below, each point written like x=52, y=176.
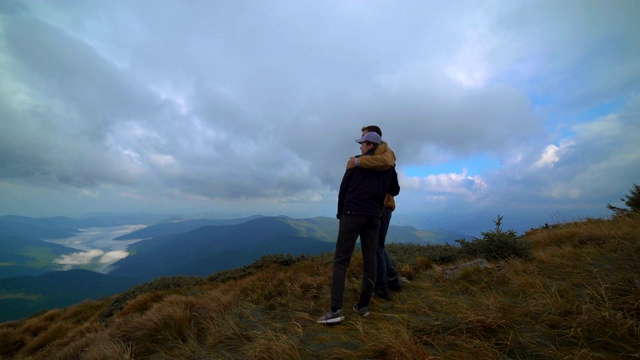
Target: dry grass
x=578, y=297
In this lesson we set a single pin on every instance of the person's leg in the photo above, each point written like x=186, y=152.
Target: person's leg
x=393, y=280
x=369, y=244
x=347, y=235
x=381, y=253
x=391, y=270
x=381, y=271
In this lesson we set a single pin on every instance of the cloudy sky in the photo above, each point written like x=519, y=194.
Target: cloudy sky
x=527, y=109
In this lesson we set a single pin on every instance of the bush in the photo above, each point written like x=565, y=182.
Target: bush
x=496, y=244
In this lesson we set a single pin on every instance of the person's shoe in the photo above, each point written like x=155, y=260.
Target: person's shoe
x=394, y=284
x=363, y=311
x=382, y=295
x=332, y=317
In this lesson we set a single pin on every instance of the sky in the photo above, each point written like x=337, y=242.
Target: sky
x=525, y=109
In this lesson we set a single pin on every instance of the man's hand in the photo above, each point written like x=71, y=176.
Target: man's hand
x=351, y=163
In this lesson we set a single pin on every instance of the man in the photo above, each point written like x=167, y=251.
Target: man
x=360, y=202
x=383, y=159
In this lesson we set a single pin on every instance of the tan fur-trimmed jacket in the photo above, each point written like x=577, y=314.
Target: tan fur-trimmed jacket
x=383, y=159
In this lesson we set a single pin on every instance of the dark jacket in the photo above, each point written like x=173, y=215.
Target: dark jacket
x=363, y=191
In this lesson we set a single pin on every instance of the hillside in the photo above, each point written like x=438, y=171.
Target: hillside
x=24, y=295
x=576, y=295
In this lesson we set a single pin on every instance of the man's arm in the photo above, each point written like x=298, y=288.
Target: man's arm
x=344, y=186
x=383, y=159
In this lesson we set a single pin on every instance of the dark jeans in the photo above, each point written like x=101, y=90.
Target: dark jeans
x=350, y=227
x=385, y=269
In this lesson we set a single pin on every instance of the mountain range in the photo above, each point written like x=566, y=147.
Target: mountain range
x=208, y=249
x=169, y=247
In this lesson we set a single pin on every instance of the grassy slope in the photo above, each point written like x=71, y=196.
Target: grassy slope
x=578, y=297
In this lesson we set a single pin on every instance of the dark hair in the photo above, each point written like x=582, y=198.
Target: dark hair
x=372, y=128
x=375, y=146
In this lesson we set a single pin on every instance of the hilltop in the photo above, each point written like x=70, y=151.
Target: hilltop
x=574, y=293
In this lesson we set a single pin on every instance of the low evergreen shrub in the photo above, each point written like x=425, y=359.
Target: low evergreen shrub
x=496, y=245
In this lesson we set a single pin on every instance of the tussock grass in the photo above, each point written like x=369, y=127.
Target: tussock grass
x=577, y=296
x=105, y=349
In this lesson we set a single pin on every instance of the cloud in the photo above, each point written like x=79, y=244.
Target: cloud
x=79, y=258
x=113, y=256
x=463, y=185
x=593, y=165
x=548, y=157
x=226, y=107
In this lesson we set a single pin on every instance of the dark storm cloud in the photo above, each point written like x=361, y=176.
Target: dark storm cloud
x=152, y=105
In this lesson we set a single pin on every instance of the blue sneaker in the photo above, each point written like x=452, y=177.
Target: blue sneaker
x=332, y=317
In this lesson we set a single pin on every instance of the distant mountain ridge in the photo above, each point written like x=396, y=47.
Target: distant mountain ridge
x=62, y=227
x=208, y=249
x=179, y=225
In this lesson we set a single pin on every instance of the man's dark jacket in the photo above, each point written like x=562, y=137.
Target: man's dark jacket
x=362, y=191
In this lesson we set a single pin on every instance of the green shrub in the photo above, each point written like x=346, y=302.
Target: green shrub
x=496, y=244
